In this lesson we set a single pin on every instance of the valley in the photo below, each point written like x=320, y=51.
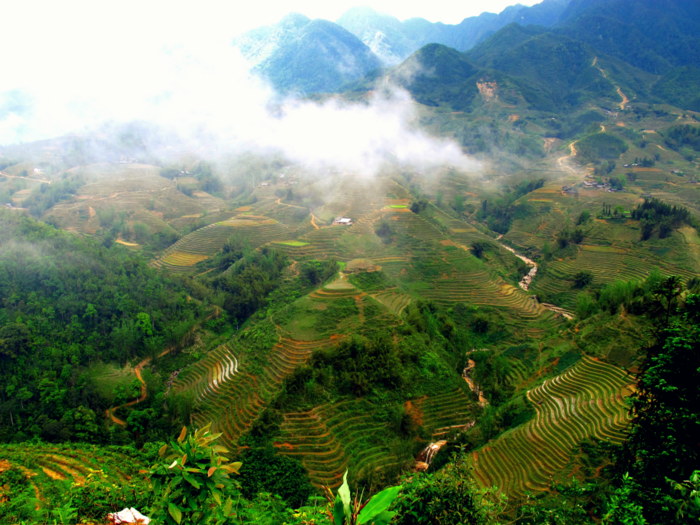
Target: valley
x=465, y=275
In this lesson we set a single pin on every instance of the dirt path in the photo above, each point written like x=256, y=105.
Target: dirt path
x=144, y=390
x=624, y=100
x=565, y=160
x=280, y=203
x=313, y=222
x=3, y=174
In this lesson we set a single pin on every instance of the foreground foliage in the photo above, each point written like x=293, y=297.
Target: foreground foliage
x=195, y=486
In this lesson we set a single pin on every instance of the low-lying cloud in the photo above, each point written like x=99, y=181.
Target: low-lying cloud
x=204, y=93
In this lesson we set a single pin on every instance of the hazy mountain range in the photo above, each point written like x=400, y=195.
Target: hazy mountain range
x=548, y=53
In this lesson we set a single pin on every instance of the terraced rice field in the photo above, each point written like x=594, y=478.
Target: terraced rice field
x=232, y=392
x=327, y=436
x=395, y=302
x=316, y=244
x=446, y=412
x=607, y=264
x=450, y=274
x=335, y=290
x=585, y=401
x=45, y=465
x=209, y=240
x=205, y=377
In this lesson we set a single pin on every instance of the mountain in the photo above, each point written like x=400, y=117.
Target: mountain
x=597, y=51
x=392, y=40
x=554, y=71
x=306, y=56
x=654, y=35
x=385, y=35
x=437, y=75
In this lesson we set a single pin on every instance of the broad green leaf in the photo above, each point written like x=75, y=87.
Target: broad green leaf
x=189, y=479
x=175, y=512
x=378, y=504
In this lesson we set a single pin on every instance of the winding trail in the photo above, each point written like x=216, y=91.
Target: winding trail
x=3, y=174
x=144, y=390
x=565, y=160
x=624, y=99
x=280, y=203
x=313, y=222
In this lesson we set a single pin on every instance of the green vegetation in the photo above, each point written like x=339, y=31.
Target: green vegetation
x=653, y=214
x=600, y=146
x=47, y=195
x=499, y=214
x=195, y=486
x=680, y=87
x=310, y=358
x=70, y=302
x=59, y=483
x=664, y=411
x=293, y=243
x=246, y=284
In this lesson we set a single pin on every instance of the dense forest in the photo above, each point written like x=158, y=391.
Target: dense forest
x=69, y=304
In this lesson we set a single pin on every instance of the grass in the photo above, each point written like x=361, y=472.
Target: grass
x=107, y=377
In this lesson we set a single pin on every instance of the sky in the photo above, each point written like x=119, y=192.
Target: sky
x=75, y=63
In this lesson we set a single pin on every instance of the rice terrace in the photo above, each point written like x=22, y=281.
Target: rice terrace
x=370, y=270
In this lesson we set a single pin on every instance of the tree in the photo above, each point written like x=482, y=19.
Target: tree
x=14, y=340
x=478, y=248
x=622, y=509
x=667, y=292
x=663, y=441
x=384, y=231
x=419, y=206
x=582, y=279
x=583, y=217
x=265, y=471
x=449, y=497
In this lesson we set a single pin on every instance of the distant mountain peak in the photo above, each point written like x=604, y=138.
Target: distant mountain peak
x=302, y=55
